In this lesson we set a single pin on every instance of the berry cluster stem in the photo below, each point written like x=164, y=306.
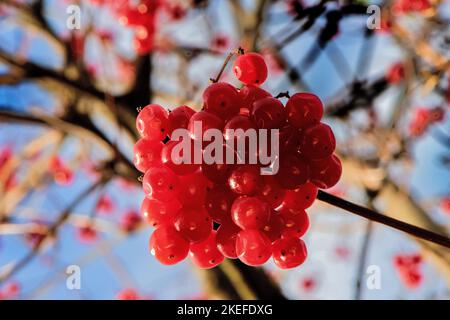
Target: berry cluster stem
x=381, y=218
x=225, y=63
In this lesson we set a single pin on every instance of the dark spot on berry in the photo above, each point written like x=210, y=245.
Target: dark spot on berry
x=171, y=256
x=170, y=188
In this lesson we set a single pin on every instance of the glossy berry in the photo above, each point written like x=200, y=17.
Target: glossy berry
x=245, y=179
x=238, y=122
x=226, y=239
x=289, y=252
x=161, y=183
x=304, y=110
x=271, y=191
x=194, y=189
x=318, y=142
x=179, y=118
x=325, y=173
x=168, y=246
x=274, y=228
x=152, y=122
x=293, y=171
x=216, y=170
x=194, y=224
x=251, y=69
x=218, y=203
x=222, y=99
x=253, y=247
x=296, y=223
x=250, y=94
x=158, y=213
x=205, y=254
x=147, y=153
x=208, y=120
x=176, y=160
x=250, y=212
x=268, y=113
x=301, y=198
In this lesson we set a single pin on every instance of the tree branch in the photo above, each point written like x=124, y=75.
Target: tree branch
x=381, y=218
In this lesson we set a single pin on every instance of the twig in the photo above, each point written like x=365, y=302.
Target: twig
x=381, y=218
x=224, y=65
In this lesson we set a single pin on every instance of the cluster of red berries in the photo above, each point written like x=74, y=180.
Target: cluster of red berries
x=212, y=211
x=10, y=291
x=408, y=267
x=423, y=118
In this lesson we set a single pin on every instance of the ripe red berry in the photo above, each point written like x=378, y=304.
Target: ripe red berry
x=222, y=99
x=274, y=228
x=159, y=213
x=304, y=110
x=194, y=189
x=235, y=123
x=268, y=113
x=250, y=212
x=218, y=203
x=253, y=247
x=208, y=120
x=170, y=158
x=226, y=239
x=250, y=94
x=152, y=122
x=245, y=179
x=179, y=118
x=194, y=224
x=205, y=254
x=147, y=153
x=161, y=183
x=325, y=173
x=289, y=252
x=301, y=198
x=296, y=223
x=168, y=246
x=218, y=171
x=130, y=221
x=250, y=68
x=318, y=142
x=271, y=191
x=293, y=171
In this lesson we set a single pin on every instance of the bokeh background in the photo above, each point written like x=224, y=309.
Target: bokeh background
x=69, y=194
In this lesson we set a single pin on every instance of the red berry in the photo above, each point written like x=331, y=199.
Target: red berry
x=245, y=179
x=193, y=189
x=130, y=221
x=152, y=122
x=127, y=294
x=179, y=118
x=222, y=99
x=268, y=113
x=250, y=94
x=170, y=158
x=271, y=191
x=168, y=246
x=293, y=171
x=235, y=123
x=274, y=228
x=301, y=198
x=208, y=120
x=250, y=68
x=253, y=247
x=290, y=139
x=159, y=213
x=318, y=142
x=147, y=153
x=194, y=224
x=325, y=173
x=296, y=223
x=304, y=110
x=289, y=252
x=218, y=204
x=250, y=212
x=217, y=171
x=226, y=239
x=161, y=183
x=205, y=254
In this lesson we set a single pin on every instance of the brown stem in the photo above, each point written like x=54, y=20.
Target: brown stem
x=224, y=65
x=381, y=218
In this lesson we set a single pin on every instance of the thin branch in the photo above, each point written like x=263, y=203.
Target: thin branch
x=381, y=218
